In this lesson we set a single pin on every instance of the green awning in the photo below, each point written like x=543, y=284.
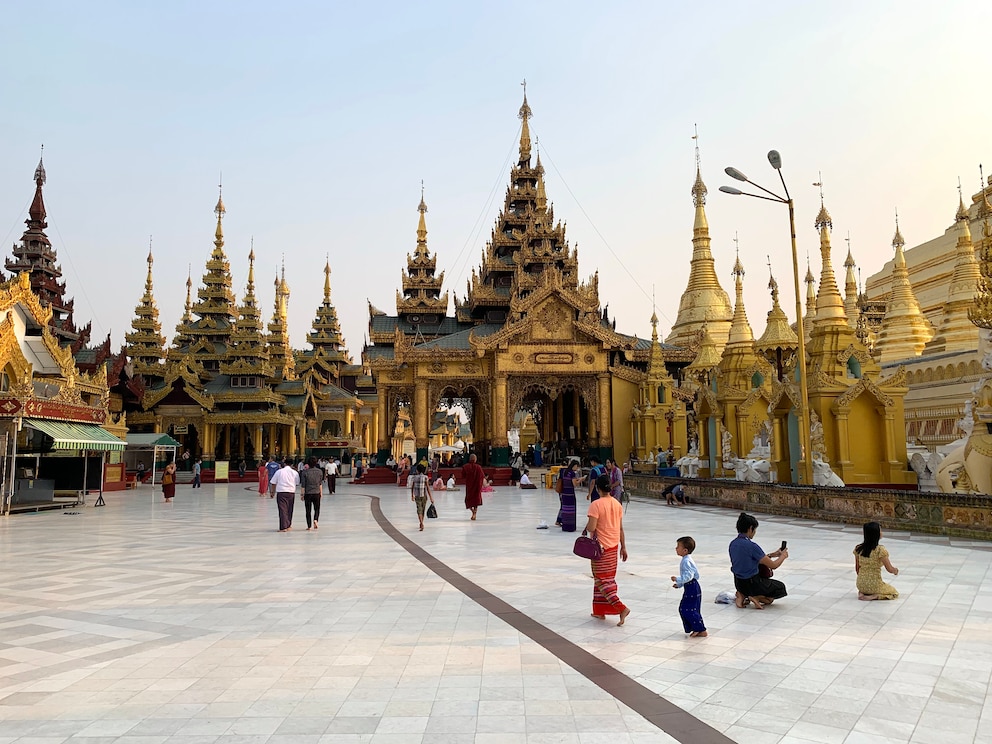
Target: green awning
x=144, y=440
x=72, y=436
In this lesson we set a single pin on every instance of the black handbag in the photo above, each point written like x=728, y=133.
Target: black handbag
x=431, y=512
x=588, y=547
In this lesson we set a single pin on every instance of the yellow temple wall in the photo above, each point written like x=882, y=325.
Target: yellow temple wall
x=624, y=395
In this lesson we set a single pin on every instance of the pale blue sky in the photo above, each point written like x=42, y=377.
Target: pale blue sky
x=324, y=118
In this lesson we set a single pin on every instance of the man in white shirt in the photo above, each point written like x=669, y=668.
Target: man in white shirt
x=332, y=474
x=285, y=481
x=525, y=481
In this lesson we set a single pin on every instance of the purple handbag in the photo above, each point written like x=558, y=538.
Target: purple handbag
x=588, y=547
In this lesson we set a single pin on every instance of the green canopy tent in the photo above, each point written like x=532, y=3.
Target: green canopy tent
x=154, y=443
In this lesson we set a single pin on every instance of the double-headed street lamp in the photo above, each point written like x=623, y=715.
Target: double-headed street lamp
x=776, y=162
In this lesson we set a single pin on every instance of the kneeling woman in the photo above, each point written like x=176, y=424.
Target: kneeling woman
x=745, y=558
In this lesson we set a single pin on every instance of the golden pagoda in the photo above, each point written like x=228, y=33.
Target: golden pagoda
x=905, y=331
x=658, y=420
x=280, y=350
x=146, y=342
x=778, y=343
x=704, y=301
x=956, y=332
x=861, y=413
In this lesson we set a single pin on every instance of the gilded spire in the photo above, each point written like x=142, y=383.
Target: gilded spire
x=37, y=210
x=525, y=114
x=421, y=288
x=850, y=288
x=328, y=352
x=704, y=301
x=829, y=303
x=778, y=333
x=956, y=331
x=280, y=350
x=327, y=281
x=220, y=211
x=740, y=328
x=905, y=330
x=146, y=344
x=809, y=318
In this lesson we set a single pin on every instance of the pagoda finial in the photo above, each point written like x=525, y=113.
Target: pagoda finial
x=327, y=280
x=897, y=239
x=150, y=260
x=772, y=284
x=422, y=225
x=823, y=218
x=189, y=294
x=738, y=270
x=525, y=114
x=37, y=211
x=962, y=213
x=251, y=266
x=220, y=211
x=39, y=173
x=698, y=187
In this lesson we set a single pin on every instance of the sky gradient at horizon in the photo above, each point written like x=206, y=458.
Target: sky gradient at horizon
x=325, y=118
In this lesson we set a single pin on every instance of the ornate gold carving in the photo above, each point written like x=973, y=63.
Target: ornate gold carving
x=470, y=369
x=861, y=355
x=589, y=359
x=552, y=318
x=437, y=368
x=864, y=385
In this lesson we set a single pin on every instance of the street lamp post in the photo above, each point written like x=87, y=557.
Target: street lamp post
x=776, y=162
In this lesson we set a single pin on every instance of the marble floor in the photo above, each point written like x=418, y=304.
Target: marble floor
x=196, y=622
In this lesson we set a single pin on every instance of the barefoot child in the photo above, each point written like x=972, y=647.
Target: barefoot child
x=688, y=580
x=869, y=557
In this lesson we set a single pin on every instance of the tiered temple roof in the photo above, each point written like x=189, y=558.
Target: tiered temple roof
x=248, y=355
x=36, y=256
x=328, y=356
x=779, y=342
x=525, y=242
x=209, y=335
x=146, y=344
x=421, y=287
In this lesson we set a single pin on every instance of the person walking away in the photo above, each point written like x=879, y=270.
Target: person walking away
x=473, y=475
x=285, y=482
x=169, y=481
x=313, y=479
x=605, y=522
x=272, y=467
x=571, y=480
x=197, y=467
x=332, y=475
x=420, y=492
x=869, y=557
x=263, y=479
x=690, y=608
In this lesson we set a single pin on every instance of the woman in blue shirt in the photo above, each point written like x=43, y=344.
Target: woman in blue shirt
x=745, y=558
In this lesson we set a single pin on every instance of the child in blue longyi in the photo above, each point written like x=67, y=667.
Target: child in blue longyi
x=692, y=595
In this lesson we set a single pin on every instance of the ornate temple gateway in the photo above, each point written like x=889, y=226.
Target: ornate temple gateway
x=528, y=335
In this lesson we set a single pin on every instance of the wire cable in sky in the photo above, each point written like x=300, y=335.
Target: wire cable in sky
x=66, y=253
x=547, y=155
x=477, y=227
x=14, y=226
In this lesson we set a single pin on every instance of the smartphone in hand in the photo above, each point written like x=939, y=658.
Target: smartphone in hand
x=784, y=545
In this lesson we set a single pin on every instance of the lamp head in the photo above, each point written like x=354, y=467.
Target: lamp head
x=731, y=190
x=775, y=159
x=735, y=174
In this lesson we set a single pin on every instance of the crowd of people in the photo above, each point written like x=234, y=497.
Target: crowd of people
x=751, y=566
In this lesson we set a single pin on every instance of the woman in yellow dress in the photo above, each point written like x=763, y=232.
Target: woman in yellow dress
x=869, y=557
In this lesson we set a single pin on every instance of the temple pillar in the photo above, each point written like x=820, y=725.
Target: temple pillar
x=500, y=444
x=256, y=440
x=421, y=424
x=230, y=440
x=382, y=434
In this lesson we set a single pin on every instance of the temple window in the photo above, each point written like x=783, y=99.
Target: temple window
x=853, y=368
x=4, y=381
x=757, y=380
x=661, y=394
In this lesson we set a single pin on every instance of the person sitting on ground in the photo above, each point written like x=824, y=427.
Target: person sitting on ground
x=438, y=484
x=525, y=480
x=487, y=485
x=451, y=484
x=746, y=557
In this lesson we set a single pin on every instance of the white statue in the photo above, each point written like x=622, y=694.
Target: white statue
x=823, y=475
x=728, y=455
x=688, y=466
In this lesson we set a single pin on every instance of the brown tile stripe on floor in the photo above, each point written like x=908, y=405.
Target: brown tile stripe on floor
x=671, y=719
